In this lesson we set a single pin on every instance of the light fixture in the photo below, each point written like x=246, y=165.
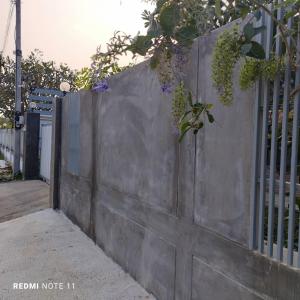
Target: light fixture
x=65, y=87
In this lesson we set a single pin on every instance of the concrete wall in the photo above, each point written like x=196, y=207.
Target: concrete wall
x=176, y=217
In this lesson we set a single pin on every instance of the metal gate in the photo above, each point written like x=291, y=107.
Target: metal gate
x=276, y=190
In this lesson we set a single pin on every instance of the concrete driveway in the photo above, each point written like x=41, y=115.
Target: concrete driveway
x=19, y=198
x=45, y=256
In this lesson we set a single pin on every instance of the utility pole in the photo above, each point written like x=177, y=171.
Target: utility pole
x=18, y=100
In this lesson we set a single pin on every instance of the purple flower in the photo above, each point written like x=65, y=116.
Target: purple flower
x=180, y=55
x=101, y=86
x=181, y=59
x=166, y=88
x=177, y=49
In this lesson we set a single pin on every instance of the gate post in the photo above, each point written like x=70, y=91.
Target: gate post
x=31, y=168
x=55, y=154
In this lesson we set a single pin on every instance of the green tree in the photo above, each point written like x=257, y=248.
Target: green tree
x=36, y=72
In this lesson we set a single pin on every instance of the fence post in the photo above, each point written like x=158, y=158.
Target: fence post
x=55, y=154
x=31, y=146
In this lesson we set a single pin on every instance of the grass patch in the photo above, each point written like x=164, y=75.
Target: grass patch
x=6, y=174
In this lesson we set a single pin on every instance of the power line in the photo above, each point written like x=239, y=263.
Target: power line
x=8, y=23
x=9, y=18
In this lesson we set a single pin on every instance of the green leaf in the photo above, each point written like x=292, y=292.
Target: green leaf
x=141, y=44
x=184, y=126
x=290, y=14
x=182, y=134
x=244, y=11
x=200, y=125
x=245, y=49
x=154, y=62
x=146, y=17
x=186, y=35
x=160, y=3
x=198, y=105
x=183, y=116
x=210, y=117
x=257, y=15
x=153, y=30
x=218, y=8
x=250, y=31
x=242, y=8
x=169, y=18
x=257, y=51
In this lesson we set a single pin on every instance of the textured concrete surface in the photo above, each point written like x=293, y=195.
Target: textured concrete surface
x=223, y=157
x=180, y=212
x=45, y=247
x=19, y=198
x=76, y=191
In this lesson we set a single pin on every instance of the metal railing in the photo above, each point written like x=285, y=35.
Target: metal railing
x=275, y=202
x=7, y=144
x=7, y=148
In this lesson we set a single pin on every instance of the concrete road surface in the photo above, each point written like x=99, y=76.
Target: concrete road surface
x=45, y=256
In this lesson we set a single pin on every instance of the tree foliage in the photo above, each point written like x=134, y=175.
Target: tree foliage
x=104, y=63
x=36, y=72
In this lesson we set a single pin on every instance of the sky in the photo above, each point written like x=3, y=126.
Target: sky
x=69, y=31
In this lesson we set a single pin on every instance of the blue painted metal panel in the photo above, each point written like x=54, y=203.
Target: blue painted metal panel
x=276, y=96
x=294, y=159
x=40, y=98
x=43, y=112
x=263, y=160
x=48, y=92
x=73, y=161
x=44, y=106
x=256, y=153
x=283, y=158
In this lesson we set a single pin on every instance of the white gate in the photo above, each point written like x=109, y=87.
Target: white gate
x=45, y=156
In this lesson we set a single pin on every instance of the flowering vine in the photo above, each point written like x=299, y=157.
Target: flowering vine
x=171, y=29
x=235, y=44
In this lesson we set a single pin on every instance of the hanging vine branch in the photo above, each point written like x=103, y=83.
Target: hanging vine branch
x=255, y=65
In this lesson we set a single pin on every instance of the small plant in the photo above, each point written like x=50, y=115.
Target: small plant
x=83, y=80
x=258, y=66
x=226, y=54
x=231, y=45
x=193, y=118
x=253, y=69
x=104, y=64
x=6, y=172
x=179, y=103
